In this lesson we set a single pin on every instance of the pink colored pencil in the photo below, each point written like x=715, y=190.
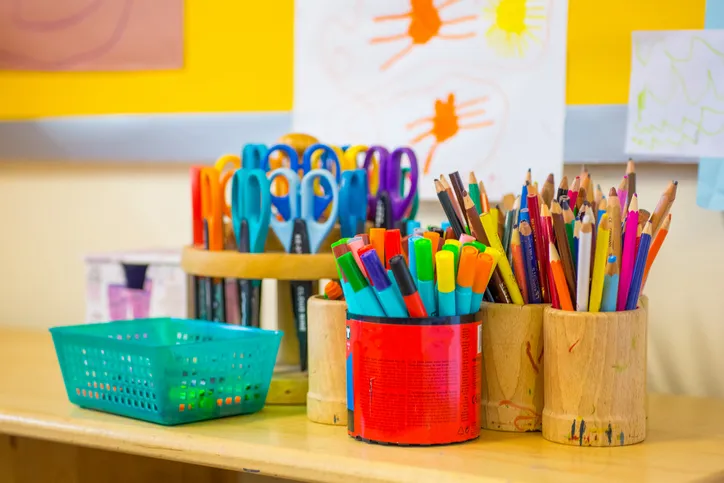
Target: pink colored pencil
x=465, y=238
x=628, y=253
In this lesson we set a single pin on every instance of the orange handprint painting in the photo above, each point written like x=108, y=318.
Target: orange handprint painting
x=446, y=122
x=425, y=23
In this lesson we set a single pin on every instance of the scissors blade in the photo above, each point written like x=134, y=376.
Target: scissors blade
x=301, y=290
x=383, y=211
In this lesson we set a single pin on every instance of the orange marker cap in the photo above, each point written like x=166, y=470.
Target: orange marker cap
x=466, y=269
x=483, y=266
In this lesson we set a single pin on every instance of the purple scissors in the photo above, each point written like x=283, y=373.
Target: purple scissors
x=388, y=206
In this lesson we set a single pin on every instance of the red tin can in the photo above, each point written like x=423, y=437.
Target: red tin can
x=414, y=381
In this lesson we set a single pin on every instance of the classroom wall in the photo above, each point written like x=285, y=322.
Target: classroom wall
x=54, y=213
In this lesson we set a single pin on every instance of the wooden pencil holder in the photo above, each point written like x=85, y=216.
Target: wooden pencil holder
x=512, y=387
x=595, y=377
x=327, y=395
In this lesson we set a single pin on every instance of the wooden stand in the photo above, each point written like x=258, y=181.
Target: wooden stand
x=512, y=389
x=289, y=385
x=595, y=374
x=327, y=396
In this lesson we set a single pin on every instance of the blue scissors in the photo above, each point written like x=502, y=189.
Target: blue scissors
x=352, y=211
x=302, y=167
x=252, y=156
x=250, y=215
x=302, y=233
x=387, y=206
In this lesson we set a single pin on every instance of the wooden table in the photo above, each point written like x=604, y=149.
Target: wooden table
x=685, y=443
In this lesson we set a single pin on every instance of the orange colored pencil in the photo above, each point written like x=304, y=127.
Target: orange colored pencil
x=518, y=267
x=559, y=278
x=656, y=246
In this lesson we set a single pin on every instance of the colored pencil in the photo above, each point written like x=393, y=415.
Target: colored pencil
x=613, y=209
x=580, y=199
x=584, y=264
x=498, y=288
x=562, y=189
x=474, y=191
x=484, y=201
x=638, y=272
x=564, y=249
x=528, y=176
x=599, y=266
x=518, y=264
x=576, y=238
x=506, y=272
x=548, y=190
x=531, y=264
x=510, y=220
x=546, y=224
x=542, y=259
x=453, y=201
x=656, y=246
x=449, y=209
x=459, y=190
x=573, y=192
x=508, y=201
x=664, y=206
x=631, y=173
x=501, y=223
x=559, y=277
x=610, y=285
x=629, y=254
x=622, y=193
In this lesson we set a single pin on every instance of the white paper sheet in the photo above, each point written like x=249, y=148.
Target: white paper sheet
x=676, y=95
x=470, y=85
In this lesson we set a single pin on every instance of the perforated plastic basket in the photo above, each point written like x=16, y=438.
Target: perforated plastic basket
x=167, y=371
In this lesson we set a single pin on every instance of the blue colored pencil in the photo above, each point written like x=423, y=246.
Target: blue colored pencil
x=638, y=273
x=523, y=215
x=524, y=199
x=531, y=263
x=610, y=286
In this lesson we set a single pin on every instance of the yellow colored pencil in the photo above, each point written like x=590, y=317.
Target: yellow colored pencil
x=599, y=265
x=490, y=225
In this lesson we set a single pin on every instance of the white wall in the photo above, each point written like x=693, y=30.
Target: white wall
x=51, y=214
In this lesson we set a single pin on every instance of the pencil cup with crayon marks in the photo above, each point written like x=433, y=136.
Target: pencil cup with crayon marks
x=512, y=388
x=595, y=377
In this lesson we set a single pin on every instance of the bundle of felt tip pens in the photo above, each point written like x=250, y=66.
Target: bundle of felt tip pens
x=421, y=275
x=574, y=248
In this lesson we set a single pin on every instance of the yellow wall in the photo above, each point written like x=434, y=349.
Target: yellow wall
x=239, y=58
x=53, y=213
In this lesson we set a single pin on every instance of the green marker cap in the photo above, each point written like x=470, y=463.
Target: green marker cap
x=423, y=259
x=341, y=241
x=354, y=275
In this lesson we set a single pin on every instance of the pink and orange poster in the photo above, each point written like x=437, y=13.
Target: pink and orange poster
x=91, y=35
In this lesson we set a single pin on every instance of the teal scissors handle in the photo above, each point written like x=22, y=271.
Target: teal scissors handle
x=283, y=228
x=251, y=201
x=253, y=156
x=352, y=212
x=318, y=232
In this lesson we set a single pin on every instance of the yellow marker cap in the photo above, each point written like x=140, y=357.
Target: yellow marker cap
x=445, y=262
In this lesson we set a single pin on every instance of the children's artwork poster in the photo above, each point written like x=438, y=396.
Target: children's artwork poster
x=91, y=35
x=469, y=85
x=676, y=95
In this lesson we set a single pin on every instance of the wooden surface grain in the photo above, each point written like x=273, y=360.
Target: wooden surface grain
x=685, y=440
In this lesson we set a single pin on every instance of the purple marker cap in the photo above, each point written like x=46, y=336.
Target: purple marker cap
x=375, y=270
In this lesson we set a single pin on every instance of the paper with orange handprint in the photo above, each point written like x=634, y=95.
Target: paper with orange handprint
x=469, y=84
x=55, y=35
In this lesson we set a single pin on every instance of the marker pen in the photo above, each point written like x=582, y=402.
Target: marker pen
x=362, y=293
x=355, y=244
x=455, y=250
x=391, y=303
x=339, y=248
x=407, y=287
x=465, y=238
x=445, y=283
x=377, y=239
x=393, y=245
x=410, y=226
x=434, y=238
x=465, y=277
x=411, y=256
x=484, y=266
x=425, y=274
x=445, y=225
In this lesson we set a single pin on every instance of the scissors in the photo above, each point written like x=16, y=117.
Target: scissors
x=302, y=233
x=302, y=168
x=352, y=212
x=387, y=206
x=252, y=156
x=250, y=215
x=212, y=210
x=412, y=210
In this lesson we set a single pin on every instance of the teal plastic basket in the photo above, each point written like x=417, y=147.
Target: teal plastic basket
x=167, y=371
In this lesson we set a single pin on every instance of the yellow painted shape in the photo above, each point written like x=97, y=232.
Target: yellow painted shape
x=238, y=57
x=599, y=42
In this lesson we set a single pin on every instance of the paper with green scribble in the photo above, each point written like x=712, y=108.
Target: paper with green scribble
x=676, y=94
